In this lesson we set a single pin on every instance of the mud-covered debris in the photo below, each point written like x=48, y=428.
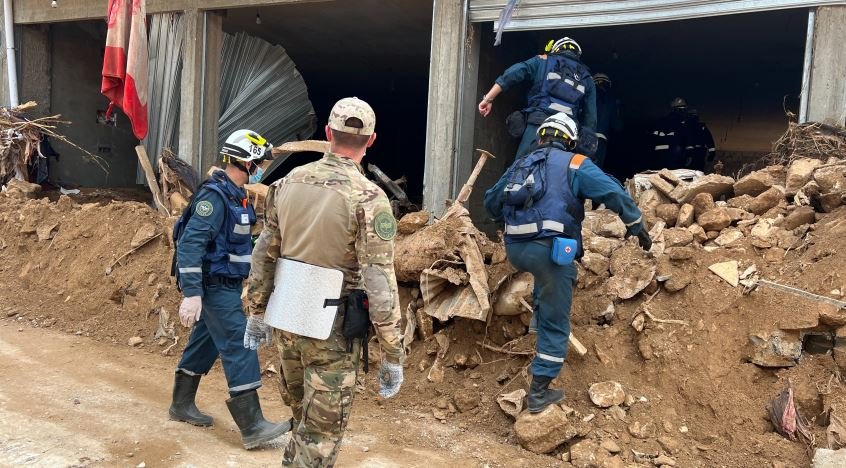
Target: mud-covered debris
x=135, y=341
x=643, y=429
x=466, y=400
x=607, y=394
x=46, y=231
x=143, y=235
x=512, y=403
x=663, y=460
x=610, y=446
x=678, y=282
x=413, y=222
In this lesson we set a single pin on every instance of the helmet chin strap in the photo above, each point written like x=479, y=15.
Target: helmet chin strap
x=241, y=166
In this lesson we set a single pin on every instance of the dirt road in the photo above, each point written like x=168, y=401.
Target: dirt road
x=71, y=401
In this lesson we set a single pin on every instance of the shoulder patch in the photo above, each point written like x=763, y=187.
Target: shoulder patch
x=204, y=208
x=385, y=225
x=577, y=160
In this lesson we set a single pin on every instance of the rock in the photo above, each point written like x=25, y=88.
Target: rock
x=604, y=315
x=727, y=271
x=152, y=279
x=617, y=413
x=644, y=347
x=807, y=195
x=466, y=400
x=798, y=217
x=712, y=235
x=715, y=219
x=774, y=350
x=736, y=214
x=543, y=432
x=677, y=237
x=413, y=222
x=436, y=372
x=699, y=234
x=766, y=201
x=686, y=215
x=595, y=263
x=741, y=202
x=702, y=203
x=680, y=254
x=664, y=182
x=65, y=204
x=460, y=360
x=439, y=414
x=46, y=231
x=512, y=403
x=758, y=182
x=799, y=173
x=21, y=189
x=831, y=179
x=143, y=235
x=830, y=201
x=713, y=184
x=669, y=444
x=643, y=429
x=728, y=237
x=610, y=446
x=602, y=245
x=678, y=282
x=632, y=271
x=589, y=454
x=612, y=228
x=825, y=458
x=607, y=394
x=135, y=341
x=669, y=212
x=664, y=460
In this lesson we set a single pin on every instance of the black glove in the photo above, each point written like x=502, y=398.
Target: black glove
x=644, y=240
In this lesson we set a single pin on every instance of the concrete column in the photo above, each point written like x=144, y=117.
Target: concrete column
x=4, y=75
x=35, y=67
x=199, y=105
x=827, y=98
x=448, y=23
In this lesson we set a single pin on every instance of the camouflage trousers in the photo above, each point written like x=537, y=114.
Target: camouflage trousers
x=317, y=382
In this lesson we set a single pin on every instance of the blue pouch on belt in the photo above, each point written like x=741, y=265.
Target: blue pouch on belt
x=563, y=251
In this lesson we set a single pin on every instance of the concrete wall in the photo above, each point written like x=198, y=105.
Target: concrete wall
x=34, y=67
x=77, y=51
x=827, y=99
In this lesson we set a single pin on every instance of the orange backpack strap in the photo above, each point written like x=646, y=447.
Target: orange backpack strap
x=577, y=161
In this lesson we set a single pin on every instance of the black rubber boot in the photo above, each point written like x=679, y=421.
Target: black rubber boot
x=541, y=396
x=255, y=430
x=183, y=407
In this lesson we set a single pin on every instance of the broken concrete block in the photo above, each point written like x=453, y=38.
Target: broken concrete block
x=680, y=254
x=664, y=182
x=831, y=179
x=143, y=235
x=714, y=184
x=727, y=271
x=737, y=214
x=607, y=394
x=777, y=349
x=678, y=282
x=632, y=271
x=21, y=189
x=643, y=429
x=686, y=216
x=799, y=173
x=605, y=223
x=807, y=195
x=715, y=219
x=741, y=202
x=669, y=212
x=800, y=216
x=728, y=237
x=543, y=432
x=766, y=201
x=588, y=454
x=46, y=231
x=595, y=263
x=677, y=237
x=602, y=245
x=830, y=201
x=702, y=203
x=758, y=182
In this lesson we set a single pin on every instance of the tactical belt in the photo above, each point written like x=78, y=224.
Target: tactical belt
x=223, y=281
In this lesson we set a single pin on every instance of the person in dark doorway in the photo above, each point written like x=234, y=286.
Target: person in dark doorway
x=213, y=252
x=608, y=119
x=541, y=199
x=560, y=83
x=703, y=150
x=669, y=137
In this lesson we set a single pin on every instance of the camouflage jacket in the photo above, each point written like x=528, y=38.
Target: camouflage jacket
x=329, y=214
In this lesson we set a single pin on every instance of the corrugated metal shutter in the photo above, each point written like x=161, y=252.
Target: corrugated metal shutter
x=555, y=14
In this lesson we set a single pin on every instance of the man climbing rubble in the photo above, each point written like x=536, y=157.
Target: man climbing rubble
x=328, y=222
x=541, y=200
x=212, y=259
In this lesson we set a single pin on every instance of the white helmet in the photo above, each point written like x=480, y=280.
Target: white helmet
x=564, y=44
x=245, y=146
x=559, y=125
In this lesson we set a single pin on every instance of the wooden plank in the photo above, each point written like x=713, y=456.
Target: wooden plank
x=317, y=146
x=151, y=179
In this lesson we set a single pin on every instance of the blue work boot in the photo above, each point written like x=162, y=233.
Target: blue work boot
x=183, y=407
x=255, y=430
x=541, y=396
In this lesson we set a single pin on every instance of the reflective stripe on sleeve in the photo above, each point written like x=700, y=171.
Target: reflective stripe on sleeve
x=553, y=76
x=547, y=357
x=240, y=258
x=191, y=270
x=637, y=221
x=532, y=228
x=561, y=108
x=662, y=147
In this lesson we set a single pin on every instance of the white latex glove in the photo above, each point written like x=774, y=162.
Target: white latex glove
x=390, y=379
x=189, y=310
x=257, y=332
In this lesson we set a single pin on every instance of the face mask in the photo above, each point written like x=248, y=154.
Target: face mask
x=256, y=176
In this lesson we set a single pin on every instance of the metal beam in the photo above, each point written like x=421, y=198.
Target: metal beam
x=806, y=66
x=40, y=11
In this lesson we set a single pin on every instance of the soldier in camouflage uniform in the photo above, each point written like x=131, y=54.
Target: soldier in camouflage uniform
x=329, y=214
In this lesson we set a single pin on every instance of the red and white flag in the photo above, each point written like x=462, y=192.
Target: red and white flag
x=125, y=62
